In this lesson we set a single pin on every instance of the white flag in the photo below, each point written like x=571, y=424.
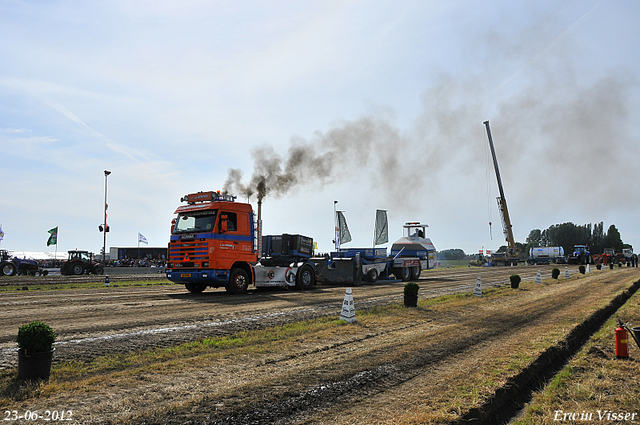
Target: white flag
x=381, y=229
x=142, y=239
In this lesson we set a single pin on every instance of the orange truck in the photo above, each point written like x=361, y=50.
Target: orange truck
x=216, y=242
x=212, y=243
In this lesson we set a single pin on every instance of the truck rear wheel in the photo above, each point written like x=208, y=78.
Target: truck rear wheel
x=306, y=277
x=415, y=272
x=372, y=275
x=238, y=282
x=98, y=270
x=402, y=273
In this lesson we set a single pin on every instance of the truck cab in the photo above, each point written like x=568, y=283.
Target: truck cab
x=212, y=243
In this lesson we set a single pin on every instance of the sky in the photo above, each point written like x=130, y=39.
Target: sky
x=376, y=105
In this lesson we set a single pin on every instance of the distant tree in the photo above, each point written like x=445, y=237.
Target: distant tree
x=597, y=238
x=451, y=254
x=613, y=239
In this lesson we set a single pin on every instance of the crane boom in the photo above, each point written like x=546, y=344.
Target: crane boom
x=502, y=201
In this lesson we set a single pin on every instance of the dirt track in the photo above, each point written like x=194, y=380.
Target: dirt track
x=400, y=372
x=99, y=321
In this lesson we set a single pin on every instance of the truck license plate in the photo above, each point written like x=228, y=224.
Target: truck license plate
x=185, y=274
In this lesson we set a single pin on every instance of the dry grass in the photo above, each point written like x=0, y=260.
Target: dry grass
x=594, y=381
x=223, y=373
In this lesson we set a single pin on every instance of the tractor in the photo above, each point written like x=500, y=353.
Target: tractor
x=81, y=262
x=12, y=266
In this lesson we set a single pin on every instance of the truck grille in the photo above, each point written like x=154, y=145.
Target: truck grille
x=187, y=253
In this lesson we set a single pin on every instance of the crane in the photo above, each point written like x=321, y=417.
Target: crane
x=512, y=252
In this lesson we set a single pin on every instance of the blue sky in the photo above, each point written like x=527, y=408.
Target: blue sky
x=385, y=99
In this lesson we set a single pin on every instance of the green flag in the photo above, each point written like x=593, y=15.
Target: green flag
x=53, y=239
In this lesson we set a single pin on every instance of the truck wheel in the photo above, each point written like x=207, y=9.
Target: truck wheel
x=194, y=288
x=45, y=272
x=238, y=282
x=98, y=270
x=306, y=277
x=372, y=275
x=415, y=272
x=402, y=273
x=77, y=269
x=8, y=269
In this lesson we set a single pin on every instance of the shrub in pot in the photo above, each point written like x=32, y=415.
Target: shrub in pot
x=515, y=281
x=555, y=273
x=35, y=350
x=599, y=266
x=411, y=294
x=582, y=269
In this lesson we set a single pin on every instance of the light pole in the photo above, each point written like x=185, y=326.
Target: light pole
x=105, y=229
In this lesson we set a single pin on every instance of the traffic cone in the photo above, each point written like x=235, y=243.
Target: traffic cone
x=478, y=289
x=538, y=277
x=348, y=313
x=566, y=272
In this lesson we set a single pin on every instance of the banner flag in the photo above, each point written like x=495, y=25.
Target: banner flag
x=142, y=239
x=1, y=233
x=53, y=238
x=382, y=228
x=343, y=231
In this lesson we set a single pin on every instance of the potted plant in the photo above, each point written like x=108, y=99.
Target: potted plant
x=515, y=281
x=598, y=266
x=411, y=294
x=35, y=350
x=555, y=273
x=582, y=269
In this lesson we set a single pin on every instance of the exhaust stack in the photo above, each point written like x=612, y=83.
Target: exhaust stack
x=259, y=228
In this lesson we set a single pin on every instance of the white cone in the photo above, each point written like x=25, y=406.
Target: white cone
x=538, y=277
x=478, y=289
x=348, y=313
x=566, y=272
x=588, y=269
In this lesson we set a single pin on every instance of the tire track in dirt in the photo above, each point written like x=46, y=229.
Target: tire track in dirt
x=279, y=407
x=512, y=397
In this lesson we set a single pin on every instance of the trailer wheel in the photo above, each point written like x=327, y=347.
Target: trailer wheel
x=306, y=277
x=402, y=273
x=415, y=272
x=238, y=282
x=194, y=288
x=8, y=269
x=372, y=275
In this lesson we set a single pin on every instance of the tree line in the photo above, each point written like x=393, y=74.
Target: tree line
x=565, y=235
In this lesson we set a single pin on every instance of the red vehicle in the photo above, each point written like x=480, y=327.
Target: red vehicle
x=212, y=243
x=81, y=262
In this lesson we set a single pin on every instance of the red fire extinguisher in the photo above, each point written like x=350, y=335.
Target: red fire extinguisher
x=622, y=338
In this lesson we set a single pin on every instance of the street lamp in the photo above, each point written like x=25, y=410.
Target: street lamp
x=104, y=229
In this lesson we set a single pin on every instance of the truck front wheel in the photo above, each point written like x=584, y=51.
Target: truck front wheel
x=238, y=282
x=194, y=288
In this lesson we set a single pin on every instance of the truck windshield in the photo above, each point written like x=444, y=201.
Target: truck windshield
x=195, y=221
